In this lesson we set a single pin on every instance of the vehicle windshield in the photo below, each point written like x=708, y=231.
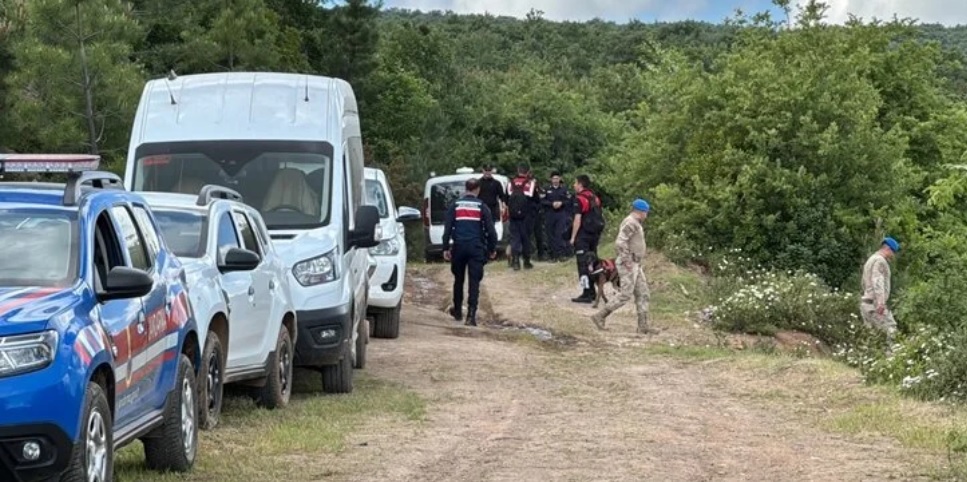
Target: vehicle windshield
x=441, y=196
x=37, y=248
x=182, y=232
x=289, y=182
x=375, y=196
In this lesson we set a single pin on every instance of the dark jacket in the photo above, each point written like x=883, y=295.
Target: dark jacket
x=559, y=193
x=492, y=191
x=470, y=224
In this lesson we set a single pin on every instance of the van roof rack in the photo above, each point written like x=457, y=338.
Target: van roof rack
x=214, y=191
x=97, y=180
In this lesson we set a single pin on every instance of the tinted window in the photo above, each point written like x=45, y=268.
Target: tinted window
x=227, y=238
x=375, y=196
x=441, y=196
x=182, y=231
x=132, y=240
x=248, y=233
x=288, y=182
x=37, y=248
x=147, y=230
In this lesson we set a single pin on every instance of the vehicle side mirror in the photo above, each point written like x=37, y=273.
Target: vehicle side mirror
x=364, y=236
x=407, y=214
x=125, y=283
x=238, y=259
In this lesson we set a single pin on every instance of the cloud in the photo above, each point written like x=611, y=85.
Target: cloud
x=618, y=10
x=947, y=12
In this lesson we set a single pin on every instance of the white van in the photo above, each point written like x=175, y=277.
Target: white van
x=438, y=193
x=290, y=144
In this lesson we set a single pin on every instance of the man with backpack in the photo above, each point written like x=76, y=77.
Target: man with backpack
x=519, y=206
x=528, y=186
x=586, y=231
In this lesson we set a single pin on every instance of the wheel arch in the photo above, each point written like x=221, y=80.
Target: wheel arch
x=103, y=375
x=220, y=326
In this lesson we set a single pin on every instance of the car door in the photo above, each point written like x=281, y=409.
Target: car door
x=261, y=299
x=152, y=328
x=239, y=292
x=119, y=318
x=273, y=271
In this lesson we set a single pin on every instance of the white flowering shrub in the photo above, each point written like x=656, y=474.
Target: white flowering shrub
x=762, y=302
x=927, y=362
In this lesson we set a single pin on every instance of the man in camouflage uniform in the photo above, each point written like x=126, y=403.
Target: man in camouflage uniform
x=876, y=288
x=630, y=247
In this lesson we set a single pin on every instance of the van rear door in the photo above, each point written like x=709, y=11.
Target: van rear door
x=442, y=195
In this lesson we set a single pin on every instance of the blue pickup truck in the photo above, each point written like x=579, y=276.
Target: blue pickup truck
x=98, y=345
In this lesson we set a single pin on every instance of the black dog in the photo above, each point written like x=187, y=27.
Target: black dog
x=602, y=272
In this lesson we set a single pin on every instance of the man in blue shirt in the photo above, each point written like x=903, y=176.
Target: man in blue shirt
x=470, y=224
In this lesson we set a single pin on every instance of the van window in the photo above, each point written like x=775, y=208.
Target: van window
x=375, y=196
x=289, y=182
x=441, y=196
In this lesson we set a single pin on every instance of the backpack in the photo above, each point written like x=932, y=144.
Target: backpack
x=593, y=221
x=517, y=205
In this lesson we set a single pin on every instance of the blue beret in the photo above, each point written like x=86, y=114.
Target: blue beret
x=892, y=243
x=641, y=205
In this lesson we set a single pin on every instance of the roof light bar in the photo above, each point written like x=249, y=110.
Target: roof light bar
x=48, y=162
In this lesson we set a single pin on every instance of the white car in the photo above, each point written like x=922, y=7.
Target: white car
x=438, y=193
x=239, y=289
x=386, y=282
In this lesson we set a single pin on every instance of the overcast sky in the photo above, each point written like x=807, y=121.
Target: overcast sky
x=948, y=12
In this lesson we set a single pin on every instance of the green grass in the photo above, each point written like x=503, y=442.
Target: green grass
x=689, y=352
x=288, y=444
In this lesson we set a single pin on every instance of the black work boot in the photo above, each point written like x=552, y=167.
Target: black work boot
x=586, y=297
x=516, y=263
x=527, y=263
x=456, y=313
x=471, y=317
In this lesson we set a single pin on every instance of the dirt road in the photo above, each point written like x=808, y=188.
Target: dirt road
x=502, y=405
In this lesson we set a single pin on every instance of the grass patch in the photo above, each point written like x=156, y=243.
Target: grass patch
x=887, y=418
x=689, y=352
x=257, y=444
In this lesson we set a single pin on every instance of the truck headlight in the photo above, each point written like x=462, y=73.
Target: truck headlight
x=318, y=270
x=27, y=353
x=387, y=247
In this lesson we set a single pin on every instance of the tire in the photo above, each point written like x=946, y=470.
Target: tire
x=387, y=323
x=211, y=382
x=338, y=378
x=278, y=385
x=174, y=445
x=362, y=339
x=98, y=427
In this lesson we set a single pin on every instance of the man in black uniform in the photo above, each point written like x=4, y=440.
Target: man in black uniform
x=471, y=226
x=538, y=223
x=492, y=192
x=586, y=231
x=557, y=212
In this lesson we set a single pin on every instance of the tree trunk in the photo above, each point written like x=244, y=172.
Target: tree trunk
x=87, y=85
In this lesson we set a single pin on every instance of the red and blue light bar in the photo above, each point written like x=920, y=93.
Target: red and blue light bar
x=69, y=163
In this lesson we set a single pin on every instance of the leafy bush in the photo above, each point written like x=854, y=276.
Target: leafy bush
x=761, y=301
x=926, y=362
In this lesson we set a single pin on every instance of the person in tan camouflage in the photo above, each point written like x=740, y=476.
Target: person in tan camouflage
x=630, y=247
x=876, y=288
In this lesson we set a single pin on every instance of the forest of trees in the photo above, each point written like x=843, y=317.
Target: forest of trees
x=800, y=142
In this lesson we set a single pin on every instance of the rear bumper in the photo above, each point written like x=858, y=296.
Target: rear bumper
x=55, y=452
x=322, y=335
